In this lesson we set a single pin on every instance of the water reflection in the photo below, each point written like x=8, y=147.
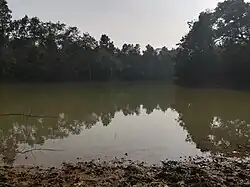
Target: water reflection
x=32, y=114
x=215, y=120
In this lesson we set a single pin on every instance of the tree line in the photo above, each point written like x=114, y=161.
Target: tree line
x=215, y=50
x=31, y=49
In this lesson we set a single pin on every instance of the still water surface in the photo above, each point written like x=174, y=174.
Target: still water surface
x=47, y=124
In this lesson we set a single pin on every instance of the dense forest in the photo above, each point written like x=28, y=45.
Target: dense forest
x=44, y=51
x=215, y=50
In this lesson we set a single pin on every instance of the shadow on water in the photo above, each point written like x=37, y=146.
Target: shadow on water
x=216, y=120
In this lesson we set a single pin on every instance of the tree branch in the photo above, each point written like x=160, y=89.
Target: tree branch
x=26, y=115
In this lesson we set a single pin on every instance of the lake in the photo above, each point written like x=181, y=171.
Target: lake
x=47, y=124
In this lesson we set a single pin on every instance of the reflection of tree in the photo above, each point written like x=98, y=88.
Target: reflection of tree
x=32, y=131
x=49, y=112
x=216, y=120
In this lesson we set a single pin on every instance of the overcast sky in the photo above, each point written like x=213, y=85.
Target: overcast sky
x=156, y=22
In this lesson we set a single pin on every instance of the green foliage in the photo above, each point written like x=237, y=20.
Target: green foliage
x=32, y=50
x=5, y=19
x=216, y=49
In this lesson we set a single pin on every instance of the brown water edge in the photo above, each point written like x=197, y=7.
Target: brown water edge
x=196, y=171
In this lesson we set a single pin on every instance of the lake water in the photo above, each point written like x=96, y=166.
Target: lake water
x=47, y=124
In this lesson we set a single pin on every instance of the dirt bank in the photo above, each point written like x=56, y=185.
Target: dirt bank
x=189, y=172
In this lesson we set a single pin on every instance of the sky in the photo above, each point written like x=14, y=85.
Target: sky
x=156, y=22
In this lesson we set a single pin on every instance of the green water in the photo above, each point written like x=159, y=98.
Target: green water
x=47, y=124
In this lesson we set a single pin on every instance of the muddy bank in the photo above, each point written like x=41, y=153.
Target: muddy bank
x=189, y=172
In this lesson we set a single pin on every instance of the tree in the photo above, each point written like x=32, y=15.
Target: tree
x=5, y=20
x=195, y=60
x=215, y=49
x=232, y=31
x=107, y=57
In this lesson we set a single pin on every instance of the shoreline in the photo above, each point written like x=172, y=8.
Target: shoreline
x=197, y=171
